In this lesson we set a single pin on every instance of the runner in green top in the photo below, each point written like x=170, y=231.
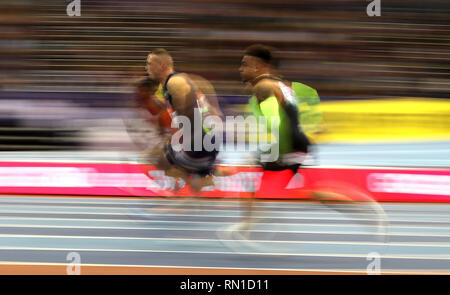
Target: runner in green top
x=272, y=97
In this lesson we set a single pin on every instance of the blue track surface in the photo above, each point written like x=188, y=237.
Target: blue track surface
x=291, y=236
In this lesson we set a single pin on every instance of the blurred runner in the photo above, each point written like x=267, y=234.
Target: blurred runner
x=156, y=114
x=149, y=127
x=190, y=97
x=274, y=97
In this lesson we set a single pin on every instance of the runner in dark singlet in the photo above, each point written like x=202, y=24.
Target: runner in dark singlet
x=191, y=97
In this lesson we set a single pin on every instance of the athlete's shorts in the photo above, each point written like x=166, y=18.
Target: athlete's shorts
x=278, y=175
x=275, y=183
x=291, y=161
x=197, y=162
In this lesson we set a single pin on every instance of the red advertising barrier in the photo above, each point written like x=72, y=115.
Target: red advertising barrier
x=381, y=184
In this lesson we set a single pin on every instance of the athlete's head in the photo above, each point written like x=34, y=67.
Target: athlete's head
x=147, y=86
x=258, y=59
x=159, y=64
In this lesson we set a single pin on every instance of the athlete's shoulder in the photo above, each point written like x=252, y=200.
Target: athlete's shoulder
x=202, y=84
x=177, y=83
x=194, y=77
x=268, y=82
x=176, y=79
x=264, y=89
x=264, y=83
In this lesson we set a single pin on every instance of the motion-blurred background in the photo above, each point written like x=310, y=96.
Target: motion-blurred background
x=66, y=86
x=66, y=82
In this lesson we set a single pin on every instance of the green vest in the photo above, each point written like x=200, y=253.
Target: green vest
x=308, y=107
x=270, y=108
x=308, y=102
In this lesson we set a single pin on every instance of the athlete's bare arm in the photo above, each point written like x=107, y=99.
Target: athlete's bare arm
x=179, y=89
x=183, y=89
x=182, y=96
x=267, y=88
x=207, y=89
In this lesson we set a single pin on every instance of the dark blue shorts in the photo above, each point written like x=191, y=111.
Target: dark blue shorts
x=198, y=162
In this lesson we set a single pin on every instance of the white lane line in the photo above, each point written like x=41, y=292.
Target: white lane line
x=203, y=203
x=211, y=222
x=303, y=207
x=312, y=207
x=355, y=243
x=435, y=257
x=258, y=213
x=338, y=232
x=221, y=224
x=391, y=219
x=147, y=221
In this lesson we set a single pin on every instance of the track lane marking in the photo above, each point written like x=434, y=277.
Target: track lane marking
x=435, y=257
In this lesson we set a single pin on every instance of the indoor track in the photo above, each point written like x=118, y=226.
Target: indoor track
x=121, y=236
x=118, y=235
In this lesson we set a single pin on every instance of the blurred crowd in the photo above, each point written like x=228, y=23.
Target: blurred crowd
x=334, y=46
x=92, y=60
